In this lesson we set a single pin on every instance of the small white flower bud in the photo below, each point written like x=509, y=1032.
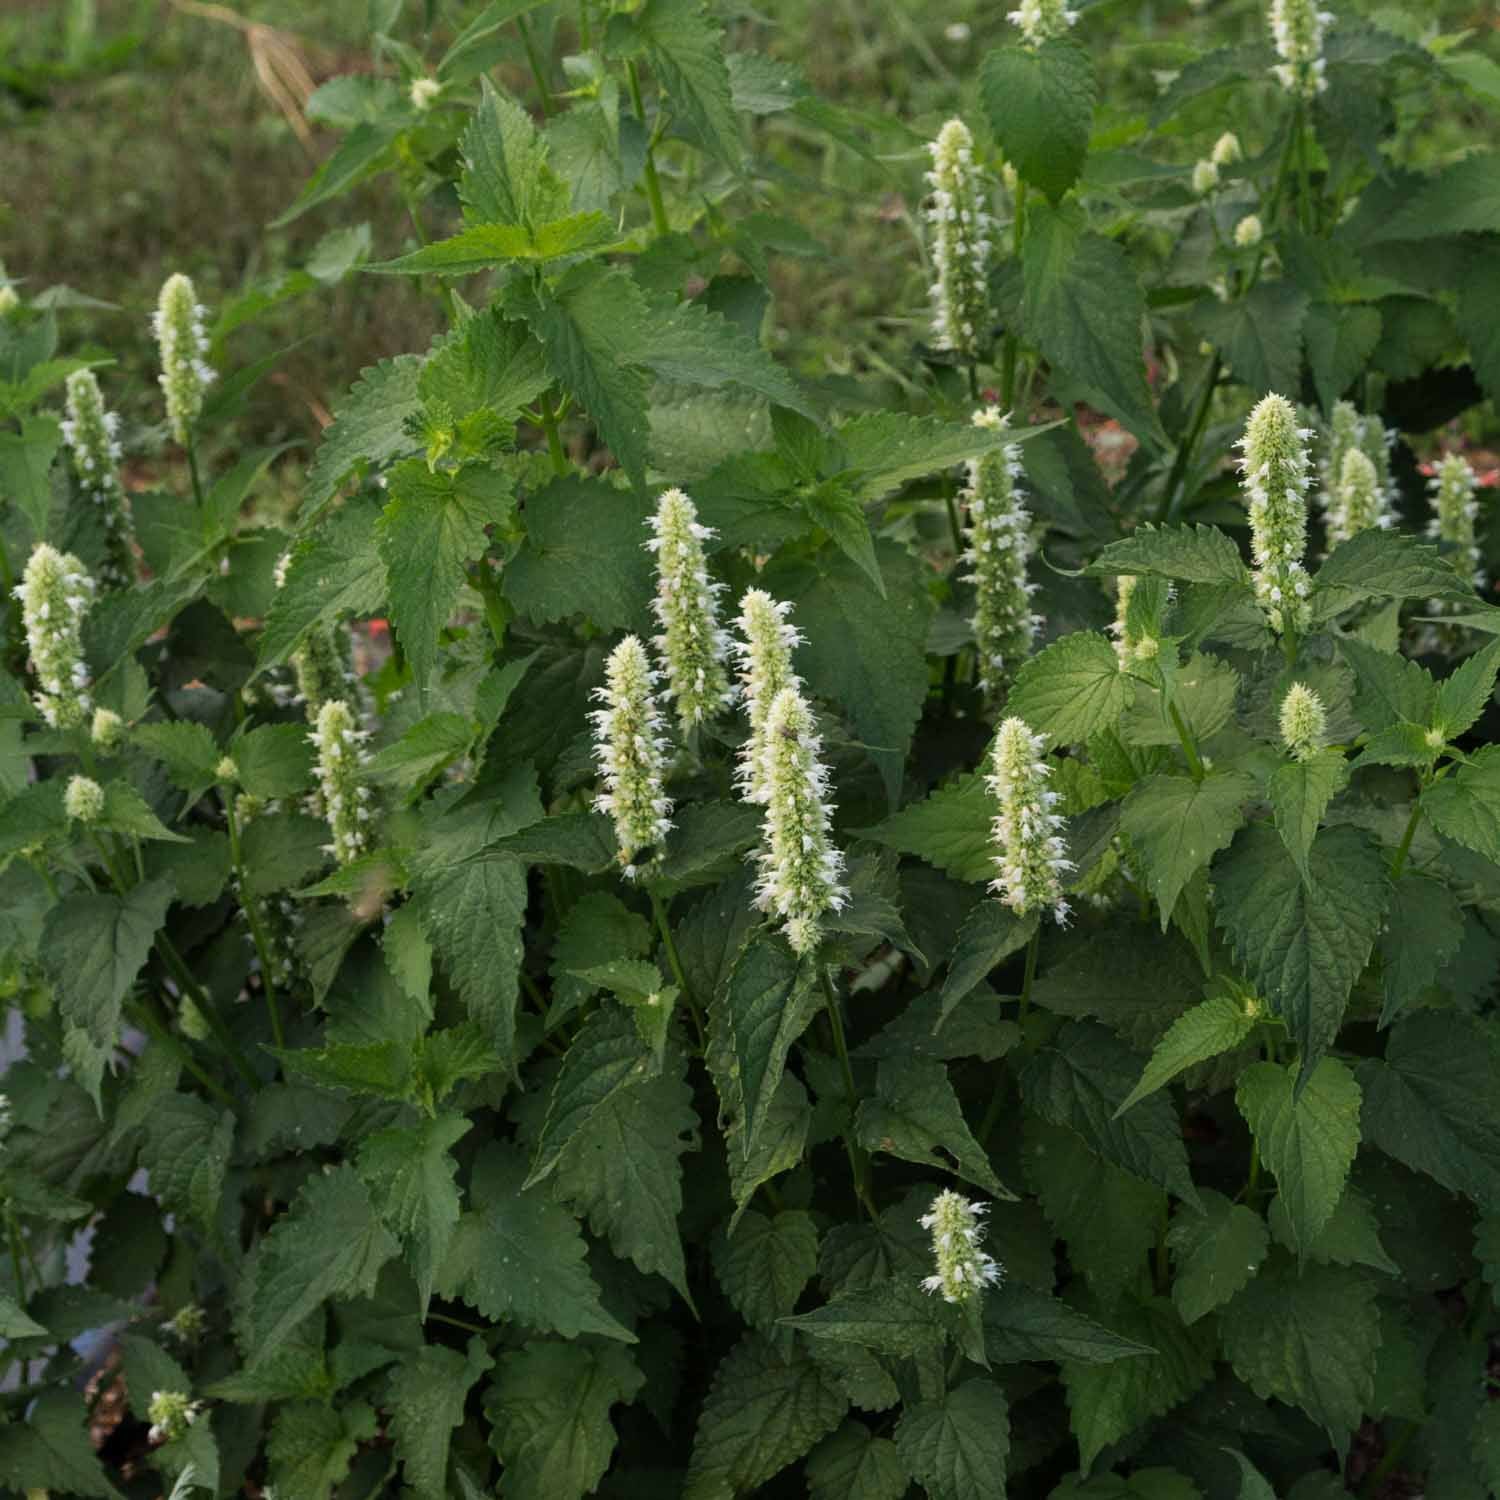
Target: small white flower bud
x=170, y=1414
x=1357, y=502
x=424, y=92
x=10, y=300
x=83, y=799
x=963, y=1267
x=630, y=752
x=182, y=342
x=1304, y=722
x=764, y=657
x=89, y=432
x=55, y=594
x=1205, y=177
x=226, y=770
x=1227, y=150
x=1041, y=20
x=107, y=729
x=1249, y=232
x=1276, y=479
x=340, y=780
x=1030, y=856
x=960, y=237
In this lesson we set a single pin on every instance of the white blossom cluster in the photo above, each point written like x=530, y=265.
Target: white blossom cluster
x=1030, y=856
x=1304, y=722
x=630, y=751
x=1276, y=478
x=801, y=870
x=83, y=799
x=999, y=547
x=964, y=1269
x=764, y=657
x=170, y=1414
x=1358, y=500
x=1297, y=28
x=345, y=799
x=960, y=231
x=92, y=435
x=1131, y=643
x=1455, y=509
x=55, y=593
x=1041, y=20
x=691, y=645
x=182, y=344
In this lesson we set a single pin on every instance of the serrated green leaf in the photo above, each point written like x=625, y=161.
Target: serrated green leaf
x=1423, y=931
x=1259, y=334
x=51, y=1449
x=1214, y=1026
x=949, y=829
x=25, y=462
x=1466, y=805
x=1391, y=690
x=1072, y=689
x=368, y=428
x=483, y=246
x=764, y=1263
x=958, y=1446
x=1176, y=825
x=1376, y=564
x=1351, y=1237
x=1340, y=340
x=1021, y=1323
x=853, y=1462
x=312, y=1445
x=893, y=1317
x=505, y=178
x=185, y=1153
x=989, y=935
x=596, y=928
x=1215, y=1252
x=1193, y=554
x=431, y=744
x=1300, y=792
x=428, y=1392
x=685, y=47
x=1040, y=103
x=187, y=750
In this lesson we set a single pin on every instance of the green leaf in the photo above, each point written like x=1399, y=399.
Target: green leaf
x=1465, y=694
x=380, y=1069
x=990, y=934
x=764, y=1263
x=1194, y=554
x=1340, y=341
x=914, y=1114
x=1351, y=1237
x=706, y=841
x=854, y=1463
x=518, y=1257
x=583, y=556
x=430, y=745
x=1079, y=1080
x=893, y=1316
x=1300, y=792
x=505, y=178
x=427, y=1395
x=1216, y=1025
x=1259, y=334
x=1308, y=1337
x=185, y=1154
x=1431, y=1102
x=1423, y=931
x=549, y=1409
x=51, y=1450
x=486, y=245
x=1306, y=1136
x=1072, y=689
x=958, y=1446
x=762, y=1413
x=432, y=527
x=312, y=1445
x=1040, y=103
x=685, y=47
x=582, y=840
x=1176, y=825
x=1303, y=944
x=841, y=515
x=330, y=1243
x=1390, y=689
x=1376, y=564
x=125, y=812
x=1084, y=308
x=1466, y=805
x=1461, y=198
x=1215, y=1252
x=487, y=366
x=949, y=829
x=410, y=1175
x=368, y=428
x=766, y=1005
x=1021, y=1323
x=14, y=1324
x=25, y=464
x=598, y=927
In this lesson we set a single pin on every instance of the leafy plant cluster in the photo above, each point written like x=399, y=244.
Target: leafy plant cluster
x=695, y=931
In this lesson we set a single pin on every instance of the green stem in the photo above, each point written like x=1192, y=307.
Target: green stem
x=1189, y=745
x=1187, y=450
x=497, y=611
x=1252, y=1182
x=436, y=1317
x=659, y=912
x=953, y=521
x=156, y=1029
x=192, y=458
x=560, y=465
x=660, y=224
x=13, y=1233
x=1033, y=948
x=252, y=915
x=1008, y=356
x=1404, y=848
x=1390, y=1459
x=859, y=1161
x=537, y=71
x=190, y=987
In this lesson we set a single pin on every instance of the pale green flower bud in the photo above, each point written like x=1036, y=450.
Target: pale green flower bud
x=1029, y=852
x=1345, y=430
x=107, y=729
x=423, y=92
x=1297, y=28
x=322, y=667
x=187, y=1324
x=1205, y=177
x=345, y=799
x=170, y=1414
x=1304, y=722
x=999, y=547
x=182, y=342
x=1454, y=486
x=1357, y=502
x=630, y=752
x=90, y=433
x=1377, y=440
x=1227, y=150
x=1041, y=20
x=55, y=593
x=191, y=1021
x=764, y=655
x=691, y=644
x=248, y=806
x=83, y=800
x=963, y=1268
x=959, y=233
x=800, y=869
x=1276, y=482
x=10, y=300
x=226, y=770
x=1249, y=232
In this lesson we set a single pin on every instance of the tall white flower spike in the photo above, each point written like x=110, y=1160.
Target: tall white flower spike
x=801, y=871
x=55, y=593
x=1358, y=501
x=630, y=752
x=1455, y=510
x=764, y=656
x=1030, y=856
x=964, y=1269
x=90, y=432
x=1304, y=722
x=999, y=547
x=959, y=232
x=691, y=645
x=1276, y=478
x=182, y=342
x=1297, y=28
x=1041, y=20
x=344, y=797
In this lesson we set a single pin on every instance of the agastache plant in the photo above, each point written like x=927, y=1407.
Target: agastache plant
x=1454, y=486
x=1297, y=28
x=182, y=343
x=55, y=593
x=344, y=798
x=1304, y=722
x=964, y=1269
x=763, y=653
x=800, y=868
x=959, y=237
x=90, y=431
x=1276, y=480
x=1030, y=857
x=999, y=547
x=1358, y=501
x=691, y=646
x=630, y=751
x=1041, y=21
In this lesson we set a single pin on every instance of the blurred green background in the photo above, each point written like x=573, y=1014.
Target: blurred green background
x=145, y=136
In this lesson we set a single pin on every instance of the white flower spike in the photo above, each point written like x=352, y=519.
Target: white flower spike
x=1042, y=20
x=1249, y=232
x=963, y=1267
x=1030, y=856
x=1205, y=177
x=55, y=593
x=1276, y=479
x=691, y=644
x=999, y=548
x=91, y=435
x=1455, y=509
x=182, y=341
x=83, y=799
x=630, y=752
x=1358, y=501
x=764, y=656
x=1304, y=722
x=170, y=1414
x=800, y=869
x=1297, y=28
x=343, y=795
x=960, y=231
